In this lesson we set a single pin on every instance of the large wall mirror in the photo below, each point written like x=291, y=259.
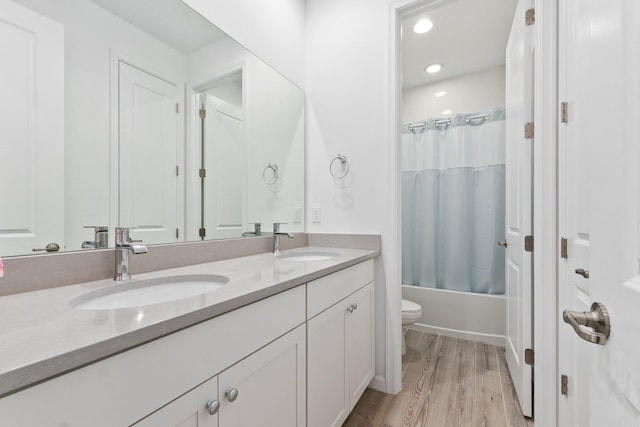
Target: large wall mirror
x=139, y=113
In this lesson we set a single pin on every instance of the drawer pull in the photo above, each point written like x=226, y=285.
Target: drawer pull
x=231, y=394
x=212, y=407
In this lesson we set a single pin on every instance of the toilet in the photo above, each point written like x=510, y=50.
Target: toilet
x=411, y=313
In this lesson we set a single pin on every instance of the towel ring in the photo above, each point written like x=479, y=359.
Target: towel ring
x=344, y=164
x=270, y=174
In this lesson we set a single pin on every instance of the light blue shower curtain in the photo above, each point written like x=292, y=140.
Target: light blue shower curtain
x=453, y=204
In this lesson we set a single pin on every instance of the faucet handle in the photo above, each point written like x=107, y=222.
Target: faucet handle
x=97, y=228
x=276, y=226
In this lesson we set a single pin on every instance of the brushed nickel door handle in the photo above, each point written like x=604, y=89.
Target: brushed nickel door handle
x=51, y=247
x=584, y=273
x=597, y=319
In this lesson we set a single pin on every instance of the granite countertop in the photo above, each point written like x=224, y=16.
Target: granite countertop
x=42, y=336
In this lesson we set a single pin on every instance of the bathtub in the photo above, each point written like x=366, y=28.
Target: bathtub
x=466, y=315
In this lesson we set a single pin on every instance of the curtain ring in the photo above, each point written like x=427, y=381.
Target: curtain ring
x=345, y=167
x=270, y=174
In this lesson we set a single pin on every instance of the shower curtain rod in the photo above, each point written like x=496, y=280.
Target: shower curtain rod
x=439, y=122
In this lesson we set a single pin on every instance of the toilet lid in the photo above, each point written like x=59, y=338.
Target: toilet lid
x=410, y=307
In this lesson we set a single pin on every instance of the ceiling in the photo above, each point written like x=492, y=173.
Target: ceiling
x=467, y=36
x=171, y=21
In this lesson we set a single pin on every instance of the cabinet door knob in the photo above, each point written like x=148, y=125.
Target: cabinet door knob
x=212, y=407
x=350, y=309
x=231, y=394
x=355, y=306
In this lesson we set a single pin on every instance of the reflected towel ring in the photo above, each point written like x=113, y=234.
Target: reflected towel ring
x=270, y=174
x=344, y=164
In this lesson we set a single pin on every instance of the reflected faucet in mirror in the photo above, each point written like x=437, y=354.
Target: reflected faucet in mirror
x=257, y=230
x=124, y=244
x=101, y=237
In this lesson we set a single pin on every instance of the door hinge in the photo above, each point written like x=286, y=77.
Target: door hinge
x=563, y=248
x=203, y=113
x=530, y=16
x=202, y=232
x=177, y=233
x=202, y=173
x=528, y=243
x=528, y=130
x=564, y=384
x=528, y=356
x=177, y=108
x=177, y=170
x=564, y=112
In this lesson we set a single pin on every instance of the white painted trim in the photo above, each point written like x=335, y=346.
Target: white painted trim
x=497, y=340
x=545, y=214
x=378, y=383
x=392, y=247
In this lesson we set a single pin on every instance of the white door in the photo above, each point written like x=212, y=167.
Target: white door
x=149, y=140
x=360, y=343
x=224, y=154
x=327, y=368
x=267, y=388
x=32, y=125
x=518, y=199
x=189, y=410
x=598, y=209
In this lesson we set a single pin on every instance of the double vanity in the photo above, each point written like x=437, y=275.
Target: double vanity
x=262, y=340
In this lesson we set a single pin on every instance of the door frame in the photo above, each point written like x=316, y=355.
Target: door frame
x=545, y=200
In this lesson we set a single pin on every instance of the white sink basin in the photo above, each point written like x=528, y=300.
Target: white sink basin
x=138, y=293
x=308, y=256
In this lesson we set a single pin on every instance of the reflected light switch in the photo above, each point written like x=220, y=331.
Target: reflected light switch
x=315, y=215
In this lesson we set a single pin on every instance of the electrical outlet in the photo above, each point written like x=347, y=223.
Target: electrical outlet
x=297, y=214
x=315, y=215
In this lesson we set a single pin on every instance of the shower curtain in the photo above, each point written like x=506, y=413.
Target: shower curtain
x=453, y=203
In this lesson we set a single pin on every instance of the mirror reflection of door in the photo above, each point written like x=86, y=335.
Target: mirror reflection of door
x=223, y=158
x=32, y=124
x=149, y=144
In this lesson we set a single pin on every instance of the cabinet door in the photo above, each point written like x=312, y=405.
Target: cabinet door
x=270, y=385
x=189, y=410
x=327, y=395
x=360, y=343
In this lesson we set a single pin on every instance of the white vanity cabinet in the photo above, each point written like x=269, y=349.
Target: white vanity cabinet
x=256, y=349
x=266, y=388
x=340, y=343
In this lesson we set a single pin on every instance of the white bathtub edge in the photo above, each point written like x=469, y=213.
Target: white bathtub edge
x=497, y=340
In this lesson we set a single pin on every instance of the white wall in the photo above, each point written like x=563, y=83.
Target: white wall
x=471, y=93
x=347, y=90
x=273, y=30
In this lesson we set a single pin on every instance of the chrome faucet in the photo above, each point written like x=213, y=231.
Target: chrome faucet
x=124, y=244
x=101, y=237
x=276, y=237
x=257, y=230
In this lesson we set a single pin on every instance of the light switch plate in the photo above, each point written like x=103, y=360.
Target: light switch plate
x=315, y=215
x=297, y=214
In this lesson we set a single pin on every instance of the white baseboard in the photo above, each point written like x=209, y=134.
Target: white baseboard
x=497, y=340
x=379, y=383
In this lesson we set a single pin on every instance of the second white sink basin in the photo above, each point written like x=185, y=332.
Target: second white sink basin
x=308, y=256
x=138, y=293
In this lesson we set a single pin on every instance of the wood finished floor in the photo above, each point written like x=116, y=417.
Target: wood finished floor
x=446, y=382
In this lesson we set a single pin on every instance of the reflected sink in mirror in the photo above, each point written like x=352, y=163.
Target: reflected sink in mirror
x=308, y=256
x=139, y=293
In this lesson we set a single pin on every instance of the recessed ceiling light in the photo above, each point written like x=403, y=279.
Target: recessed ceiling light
x=433, y=68
x=422, y=26
x=446, y=112
x=441, y=93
